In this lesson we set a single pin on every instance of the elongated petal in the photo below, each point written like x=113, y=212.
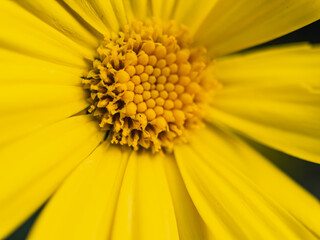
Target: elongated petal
x=192, y=13
x=123, y=11
x=270, y=180
x=233, y=25
x=21, y=123
x=23, y=32
x=291, y=63
x=273, y=97
x=157, y=7
x=54, y=14
x=86, y=199
x=145, y=209
x=33, y=167
x=27, y=108
x=231, y=204
x=35, y=93
x=22, y=69
x=98, y=13
x=140, y=9
x=190, y=224
x=34, y=96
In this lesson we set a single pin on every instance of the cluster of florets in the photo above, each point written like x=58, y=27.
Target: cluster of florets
x=148, y=86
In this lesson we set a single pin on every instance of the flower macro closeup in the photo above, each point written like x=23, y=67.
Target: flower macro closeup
x=136, y=119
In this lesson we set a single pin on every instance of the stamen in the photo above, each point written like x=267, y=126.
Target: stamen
x=149, y=86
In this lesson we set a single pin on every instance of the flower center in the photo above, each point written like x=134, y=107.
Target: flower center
x=148, y=85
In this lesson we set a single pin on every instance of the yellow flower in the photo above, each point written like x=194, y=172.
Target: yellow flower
x=147, y=166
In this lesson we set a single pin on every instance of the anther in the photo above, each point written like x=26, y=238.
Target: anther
x=152, y=60
x=150, y=114
x=130, y=58
x=173, y=78
x=139, y=69
x=171, y=58
x=158, y=110
x=184, y=69
x=131, y=70
x=138, y=89
x=161, y=123
x=173, y=95
x=143, y=59
x=144, y=77
x=136, y=80
x=130, y=86
x=183, y=55
x=160, y=51
x=122, y=76
x=151, y=103
x=128, y=96
x=173, y=68
x=146, y=95
x=138, y=98
x=160, y=87
x=169, y=87
x=148, y=69
x=160, y=101
x=148, y=47
x=131, y=108
x=146, y=86
x=165, y=71
x=154, y=94
x=142, y=107
x=157, y=72
x=161, y=63
x=162, y=80
x=179, y=88
x=164, y=94
x=184, y=80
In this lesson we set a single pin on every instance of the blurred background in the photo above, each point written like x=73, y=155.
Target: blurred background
x=305, y=173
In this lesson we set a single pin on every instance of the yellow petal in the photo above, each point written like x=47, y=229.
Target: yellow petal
x=123, y=11
x=167, y=9
x=33, y=167
x=189, y=222
x=56, y=16
x=269, y=179
x=231, y=204
x=23, y=32
x=20, y=123
x=32, y=96
x=233, y=25
x=273, y=98
x=193, y=12
x=157, y=8
x=22, y=69
x=145, y=209
x=98, y=13
x=26, y=108
x=87, y=199
x=291, y=63
x=141, y=9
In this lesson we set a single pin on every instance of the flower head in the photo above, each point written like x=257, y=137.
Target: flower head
x=148, y=86
x=131, y=119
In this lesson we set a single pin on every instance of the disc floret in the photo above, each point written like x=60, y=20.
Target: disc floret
x=148, y=85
